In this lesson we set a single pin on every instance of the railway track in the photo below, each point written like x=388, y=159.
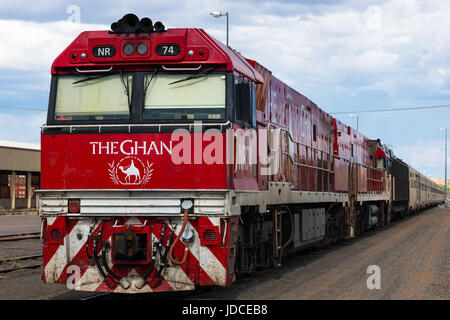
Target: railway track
x=22, y=261
x=12, y=262
x=155, y=296
x=19, y=236
x=97, y=296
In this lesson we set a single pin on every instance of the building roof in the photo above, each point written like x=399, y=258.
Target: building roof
x=20, y=145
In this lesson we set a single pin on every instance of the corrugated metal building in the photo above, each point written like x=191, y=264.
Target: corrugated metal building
x=20, y=166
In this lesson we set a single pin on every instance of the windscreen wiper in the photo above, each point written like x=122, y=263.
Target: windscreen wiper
x=148, y=81
x=91, y=78
x=196, y=75
x=126, y=85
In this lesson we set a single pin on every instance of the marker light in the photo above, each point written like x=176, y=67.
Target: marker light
x=128, y=49
x=74, y=206
x=142, y=48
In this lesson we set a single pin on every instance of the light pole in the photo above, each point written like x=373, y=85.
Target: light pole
x=217, y=14
x=445, y=183
x=357, y=120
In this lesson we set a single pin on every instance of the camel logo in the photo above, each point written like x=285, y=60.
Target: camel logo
x=130, y=171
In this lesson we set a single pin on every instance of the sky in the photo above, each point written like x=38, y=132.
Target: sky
x=345, y=55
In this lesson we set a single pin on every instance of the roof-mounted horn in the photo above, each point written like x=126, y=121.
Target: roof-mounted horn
x=130, y=23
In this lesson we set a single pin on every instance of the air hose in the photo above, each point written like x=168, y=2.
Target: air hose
x=122, y=280
x=110, y=274
x=90, y=258
x=157, y=278
x=111, y=284
x=172, y=259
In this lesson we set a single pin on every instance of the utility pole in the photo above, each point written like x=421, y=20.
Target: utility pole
x=357, y=120
x=446, y=196
x=217, y=14
x=445, y=181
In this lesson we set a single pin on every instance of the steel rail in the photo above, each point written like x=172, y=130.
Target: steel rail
x=14, y=259
x=33, y=256
x=19, y=236
x=32, y=266
x=98, y=295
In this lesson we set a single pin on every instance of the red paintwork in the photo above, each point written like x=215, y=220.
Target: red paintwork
x=68, y=162
x=215, y=53
x=284, y=107
x=380, y=153
x=289, y=109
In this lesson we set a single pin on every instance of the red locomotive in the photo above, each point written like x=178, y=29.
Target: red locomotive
x=170, y=161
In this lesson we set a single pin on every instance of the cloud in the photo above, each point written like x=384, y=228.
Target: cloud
x=383, y=47
x=21, y=127
x=32, y=46
x=27, y=51
x=426, y=156
x=347, y=46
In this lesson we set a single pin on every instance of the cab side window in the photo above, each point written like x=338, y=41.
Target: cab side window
x=245, y=107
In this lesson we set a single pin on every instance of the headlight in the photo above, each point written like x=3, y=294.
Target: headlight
x=187, y=204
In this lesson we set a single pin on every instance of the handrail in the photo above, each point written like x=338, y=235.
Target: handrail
x=94, y=70
x=182, y=69
x=298, y=142
x=382, y=179
x=137, y=125
x=317, y=149
x=306, y=165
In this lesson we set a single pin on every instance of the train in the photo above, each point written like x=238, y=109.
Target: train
x=169, y=161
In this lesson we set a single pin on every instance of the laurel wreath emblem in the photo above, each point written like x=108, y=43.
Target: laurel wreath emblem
x=147, y=174
x=112, y=173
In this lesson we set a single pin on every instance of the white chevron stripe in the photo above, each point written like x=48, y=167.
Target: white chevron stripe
x=67, y=251
x=50, y=220
x=214, y=221
x=92, y=278
x=207, y=260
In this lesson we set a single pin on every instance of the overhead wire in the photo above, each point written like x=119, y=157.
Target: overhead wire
x=23, y=108
x=393, y=109
x=339, y=112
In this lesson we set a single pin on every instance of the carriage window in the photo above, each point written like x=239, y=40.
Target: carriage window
x=175, y=97
x=379, y=163
x=79, y=97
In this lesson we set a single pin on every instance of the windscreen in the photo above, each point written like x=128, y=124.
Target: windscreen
x=80, y=97
x=178, y=97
